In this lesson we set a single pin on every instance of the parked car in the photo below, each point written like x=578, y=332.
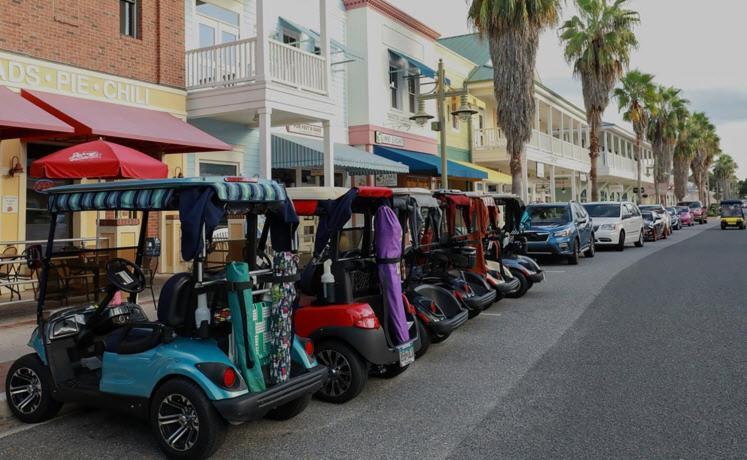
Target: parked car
x=562, y=229
x=653, y=225
x=616, y=223
x=699, y=212
x=659, y=208
x=685, y=215
x=675, y=216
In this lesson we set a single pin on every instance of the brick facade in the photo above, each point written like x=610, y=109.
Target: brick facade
x=86, y=34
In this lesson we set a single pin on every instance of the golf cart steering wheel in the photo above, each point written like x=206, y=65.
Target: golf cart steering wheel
x=125, y=276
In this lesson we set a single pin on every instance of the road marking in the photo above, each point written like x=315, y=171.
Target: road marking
x=554, y=271
x=26, y=427
x=490, y=314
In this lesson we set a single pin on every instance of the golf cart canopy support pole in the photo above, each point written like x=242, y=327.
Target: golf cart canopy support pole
x=140, y=249
x=46, y=262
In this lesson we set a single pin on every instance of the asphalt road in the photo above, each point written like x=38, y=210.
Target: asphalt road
x=634, y=354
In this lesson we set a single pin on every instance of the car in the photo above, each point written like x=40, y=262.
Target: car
x=685, y=215
x=675, y=216
x=653, y=225
x=699, y=212
x=661, y=209
x=616, y=223
x=561, y=229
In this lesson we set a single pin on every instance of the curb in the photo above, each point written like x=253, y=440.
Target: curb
x=4, y=408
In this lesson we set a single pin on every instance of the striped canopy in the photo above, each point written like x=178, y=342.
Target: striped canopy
x=158, y=195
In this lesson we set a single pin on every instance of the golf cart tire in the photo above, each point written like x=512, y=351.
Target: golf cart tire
x=289, y=410
x=425, y=338
x=212, y=427
x=525, y=284
x=620, y=247
x=438, y=338
x=723, y=226
x=358, y=372
x=473, y=313
x=48, y=407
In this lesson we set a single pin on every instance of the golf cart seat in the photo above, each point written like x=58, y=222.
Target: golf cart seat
x=130, y=341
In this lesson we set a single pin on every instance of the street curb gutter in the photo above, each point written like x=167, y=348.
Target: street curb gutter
x=4, y=408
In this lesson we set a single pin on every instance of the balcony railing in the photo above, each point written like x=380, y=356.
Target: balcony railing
x=235, y=63
x=493, y=138
x=488, y=138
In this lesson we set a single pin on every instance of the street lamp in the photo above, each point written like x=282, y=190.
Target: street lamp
x=439, y=94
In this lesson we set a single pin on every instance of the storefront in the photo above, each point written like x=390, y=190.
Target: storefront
x=45, y=107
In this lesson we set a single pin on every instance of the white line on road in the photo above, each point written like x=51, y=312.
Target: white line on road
x=490, y=314
x=26, y=427
x=554, y=271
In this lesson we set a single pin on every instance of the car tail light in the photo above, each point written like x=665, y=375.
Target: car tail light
x=369, y=321
x=222, y=375
x=229, y=377
x=309, y=348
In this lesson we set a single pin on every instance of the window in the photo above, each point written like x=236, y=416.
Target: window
x=129, y=18
x=216, y=25
x=218, y=169
x=412, y=92
x=394, y=73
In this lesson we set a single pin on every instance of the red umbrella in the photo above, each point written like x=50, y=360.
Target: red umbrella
x=99, y=160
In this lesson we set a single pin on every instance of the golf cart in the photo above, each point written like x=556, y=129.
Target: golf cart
x=204, y=361
x=353, y=308
x=438, y=310
x=732, y=214
x=508, y=244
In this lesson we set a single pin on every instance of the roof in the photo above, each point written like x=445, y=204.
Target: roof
x=316, y=193
x=471, y=46
x=158, y=194
x=296, y=151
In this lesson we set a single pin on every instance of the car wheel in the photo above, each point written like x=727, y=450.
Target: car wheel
x=573, y=258
x=348, y=372
x=620, y=242
x=640, y=242
x=184, y=421
x=425, y=338
x=28, y=390
x=525, y=285
x=289, y=410
x=592, y=248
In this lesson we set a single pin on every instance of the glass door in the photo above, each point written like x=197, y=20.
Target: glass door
x=217, y=26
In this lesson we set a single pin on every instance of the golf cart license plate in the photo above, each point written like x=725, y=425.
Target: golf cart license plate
x=406, y=354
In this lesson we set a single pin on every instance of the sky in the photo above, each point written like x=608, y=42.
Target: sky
x=690, y=44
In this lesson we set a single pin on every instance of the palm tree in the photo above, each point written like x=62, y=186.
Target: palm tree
x=684, y=152
x=667, y=108
x=512, y=28
x=598, y=43
x=707, y=147
x=725, y=170
x=633, y=97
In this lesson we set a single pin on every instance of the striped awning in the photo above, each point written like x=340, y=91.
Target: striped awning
x=158, y=195
x=290, y=152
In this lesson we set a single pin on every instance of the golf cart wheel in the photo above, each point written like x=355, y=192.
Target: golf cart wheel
x=425, y=338
x=525, y=284
x=390, y=371
x=591, y=252
x=289, y=410
x=438, y=338
x=640, y=242
x=348, y=372
x=723, y=226
x=28, y=390
x=573, y=259
x=473, y=313
x=184, y=421
x=620, y=247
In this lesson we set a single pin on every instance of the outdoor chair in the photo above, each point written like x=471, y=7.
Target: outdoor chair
x=8, y=272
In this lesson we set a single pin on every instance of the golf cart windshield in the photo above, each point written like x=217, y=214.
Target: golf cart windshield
x=731, y=210
x=548, y=215
x=603, y=210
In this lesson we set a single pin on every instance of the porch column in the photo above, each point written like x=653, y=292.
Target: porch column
x=329, y=155
x=263, y=53
x=299, y=177
x=324, y=45
x=265, y=142
x=552, y=184
x=524, y=175
x=574, y=191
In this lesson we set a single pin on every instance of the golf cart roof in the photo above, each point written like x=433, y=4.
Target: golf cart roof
x=504, y=198
x=486, y=198
x=423, y=197
x=161, y=194
x=731, y=202
x=333, y=193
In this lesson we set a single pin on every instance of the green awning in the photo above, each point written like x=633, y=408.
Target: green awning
x=289, y=152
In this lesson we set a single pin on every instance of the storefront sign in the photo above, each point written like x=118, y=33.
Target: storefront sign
x=386, y=180
x=540, y=169
x=389, y=139
x=43, y=185
x=306, y=129
x=10, y=204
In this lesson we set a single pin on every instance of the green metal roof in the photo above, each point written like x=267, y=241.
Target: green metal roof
x=481, y=73
x=470, y=46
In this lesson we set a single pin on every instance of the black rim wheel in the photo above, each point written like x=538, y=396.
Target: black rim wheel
x=178, y=422
x=25, y=390
x=341, y=374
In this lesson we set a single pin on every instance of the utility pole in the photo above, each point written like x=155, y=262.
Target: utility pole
x=441, y=107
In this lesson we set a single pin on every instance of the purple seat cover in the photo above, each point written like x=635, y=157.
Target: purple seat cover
x=388, y=234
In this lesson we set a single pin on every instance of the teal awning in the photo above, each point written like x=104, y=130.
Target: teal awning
x=337, y=47
x=424, y=69
x=289, y=152
x=427, y=164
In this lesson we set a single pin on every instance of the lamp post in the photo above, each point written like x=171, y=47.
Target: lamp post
x=439, y=94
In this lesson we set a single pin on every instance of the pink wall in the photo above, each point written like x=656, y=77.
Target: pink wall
x=365, y=135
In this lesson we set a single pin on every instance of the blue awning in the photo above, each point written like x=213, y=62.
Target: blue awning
x=337, y=47
x=427, y=164
x=424, y=69
x=300, y=152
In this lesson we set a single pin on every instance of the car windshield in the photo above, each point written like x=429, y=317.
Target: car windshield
x=672, y=211
x=603, y=210
x=691, y=204
x=683, y=209
x=731, y=210
x=647, y=216
x=549, y=215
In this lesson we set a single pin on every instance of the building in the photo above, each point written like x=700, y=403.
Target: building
x=76, y=71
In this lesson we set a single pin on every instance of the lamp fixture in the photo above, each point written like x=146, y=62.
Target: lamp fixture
x=464, y=112
x=178, y=174
x=421, y=117
x=15, y=166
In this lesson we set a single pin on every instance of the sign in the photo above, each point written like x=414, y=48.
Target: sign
x=540, y=169
x=386, y=180
x=84, y=156
x=43, y=185
x=583, y=177
x=10, y=204
x=306, y=129
x=389, y=139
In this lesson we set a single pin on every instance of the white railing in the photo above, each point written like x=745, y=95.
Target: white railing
x=222, y=65
x=488, y=138
x=292, y=66
x=493, y=138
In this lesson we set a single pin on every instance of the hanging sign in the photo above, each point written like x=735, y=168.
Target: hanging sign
x=386, y=180
x=389, y=139
x=540, y=169
x=306, y=129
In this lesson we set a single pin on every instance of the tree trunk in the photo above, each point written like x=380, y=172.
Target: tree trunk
x=594, y=154
x=516, y=171
x=638, y=148
x=681, y=168
x=656, y=176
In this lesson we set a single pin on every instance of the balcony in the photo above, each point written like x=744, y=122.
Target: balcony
x=235, y=63
x=489, y=146
x=613, y=165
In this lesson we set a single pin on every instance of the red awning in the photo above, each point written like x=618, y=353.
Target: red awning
x=99, y=160
x=21, y=118
x=149, y=130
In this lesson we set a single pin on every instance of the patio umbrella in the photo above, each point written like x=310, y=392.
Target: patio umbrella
x=98, y=160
